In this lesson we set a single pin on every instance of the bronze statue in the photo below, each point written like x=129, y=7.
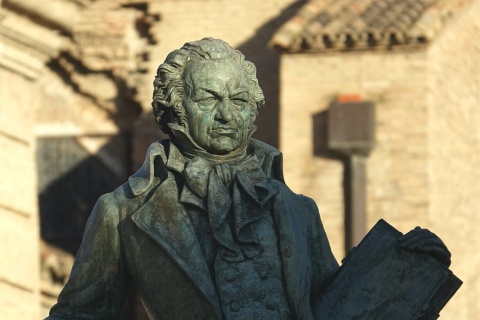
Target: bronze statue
x=207, y=228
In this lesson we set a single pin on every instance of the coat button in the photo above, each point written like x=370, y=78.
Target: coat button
x=263, y=273
x=230, y=276
x=235, y=307
x=270, y=303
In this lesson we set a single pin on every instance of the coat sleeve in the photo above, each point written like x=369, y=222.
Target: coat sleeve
x=97, y=284
x=323, y=263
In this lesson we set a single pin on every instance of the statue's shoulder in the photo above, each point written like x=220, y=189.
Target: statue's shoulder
x=261, y=148
x=284, y=191
x=269, y=158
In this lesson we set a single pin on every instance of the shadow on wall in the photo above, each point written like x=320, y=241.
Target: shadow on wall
x=71, y=179
x=346, y=132
x=320, y=137
x=267, y=62
x=322, y=150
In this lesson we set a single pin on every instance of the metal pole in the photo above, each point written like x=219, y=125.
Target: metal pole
x=355, y=200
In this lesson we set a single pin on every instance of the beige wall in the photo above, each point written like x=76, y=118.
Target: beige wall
x=454, y=153
x=64, y=112
x=233, y=21
x=39, y=97
x=397, y=170
x=19, y=234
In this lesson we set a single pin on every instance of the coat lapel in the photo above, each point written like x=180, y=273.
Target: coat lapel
x=288, y=212
x=166, y=222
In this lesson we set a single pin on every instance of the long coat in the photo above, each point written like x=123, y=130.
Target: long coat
x=141, y=234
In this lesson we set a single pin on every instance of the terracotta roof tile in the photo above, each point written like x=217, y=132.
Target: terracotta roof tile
x=322, y=25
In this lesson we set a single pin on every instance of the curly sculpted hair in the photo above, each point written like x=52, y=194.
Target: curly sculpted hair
x=169, y=86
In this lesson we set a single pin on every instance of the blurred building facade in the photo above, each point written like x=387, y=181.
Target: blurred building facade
x=75, y=121
x=418, y=62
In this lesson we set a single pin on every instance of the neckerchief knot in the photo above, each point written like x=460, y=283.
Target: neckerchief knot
x=234, y=195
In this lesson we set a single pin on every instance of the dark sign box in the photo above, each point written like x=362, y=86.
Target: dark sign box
x=351, y=127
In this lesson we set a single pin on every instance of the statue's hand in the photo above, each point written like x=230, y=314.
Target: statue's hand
x=424, y=241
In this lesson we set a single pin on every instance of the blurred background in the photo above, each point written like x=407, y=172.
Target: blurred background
x=374, y=104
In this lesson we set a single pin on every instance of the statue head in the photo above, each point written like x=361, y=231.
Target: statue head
x=206, y=92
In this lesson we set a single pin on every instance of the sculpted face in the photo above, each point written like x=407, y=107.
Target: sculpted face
x=217, y=105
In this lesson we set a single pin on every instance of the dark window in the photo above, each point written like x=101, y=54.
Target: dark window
x=70, y=180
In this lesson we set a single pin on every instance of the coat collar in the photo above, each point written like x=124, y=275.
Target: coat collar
x=269, y=158
x=173, y=232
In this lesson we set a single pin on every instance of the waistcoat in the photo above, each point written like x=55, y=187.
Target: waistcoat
x=253, y=288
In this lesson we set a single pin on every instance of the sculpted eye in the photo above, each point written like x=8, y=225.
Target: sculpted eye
x=206, y=103
x=207, y=100
x=240, y=102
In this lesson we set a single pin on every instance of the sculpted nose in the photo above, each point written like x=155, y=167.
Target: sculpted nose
x=224, y=111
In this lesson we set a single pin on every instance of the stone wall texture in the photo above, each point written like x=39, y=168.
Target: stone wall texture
x=19, y=232
x=453, y=152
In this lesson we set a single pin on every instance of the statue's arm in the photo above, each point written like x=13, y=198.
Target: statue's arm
x=324, y=264
x=97, y=284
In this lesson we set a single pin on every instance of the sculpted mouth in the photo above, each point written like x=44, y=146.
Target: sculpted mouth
x=221, y=131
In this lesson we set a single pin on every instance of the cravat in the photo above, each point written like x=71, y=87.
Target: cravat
x=235, y=195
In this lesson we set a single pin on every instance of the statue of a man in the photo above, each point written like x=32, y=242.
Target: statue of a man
x=207, y=228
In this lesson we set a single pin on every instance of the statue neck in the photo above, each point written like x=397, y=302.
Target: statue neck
x=190, y=149
x=231, y=157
